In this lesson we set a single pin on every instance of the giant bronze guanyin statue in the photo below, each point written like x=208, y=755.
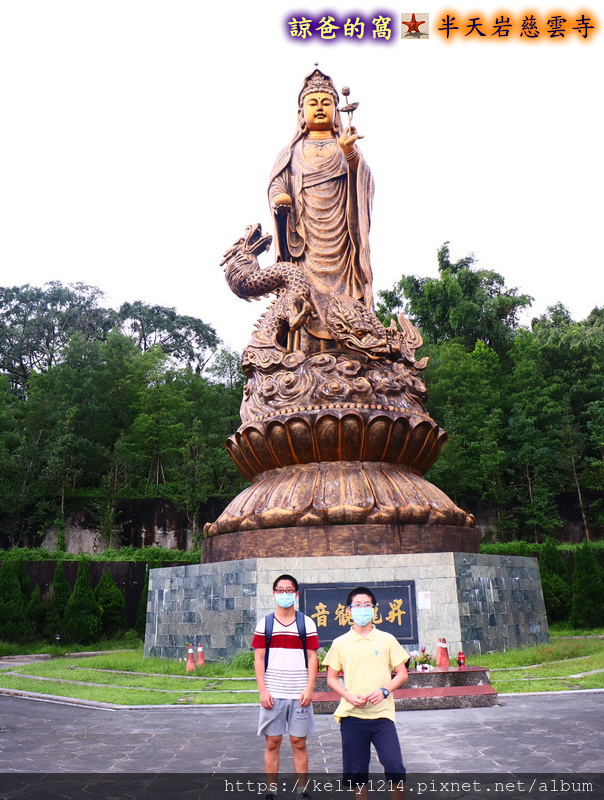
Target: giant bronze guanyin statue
x=334, y=436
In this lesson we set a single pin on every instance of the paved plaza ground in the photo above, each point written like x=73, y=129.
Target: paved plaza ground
x=546, y=733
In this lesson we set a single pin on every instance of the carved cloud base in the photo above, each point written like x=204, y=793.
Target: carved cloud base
x=338, y=493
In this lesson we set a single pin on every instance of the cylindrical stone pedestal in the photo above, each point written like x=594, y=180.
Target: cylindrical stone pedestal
x=340, y=540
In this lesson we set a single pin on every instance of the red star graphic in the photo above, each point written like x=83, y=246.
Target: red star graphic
x=413, y=24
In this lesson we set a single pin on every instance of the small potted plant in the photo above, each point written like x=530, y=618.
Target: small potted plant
x=321, y=655
x=424, y=661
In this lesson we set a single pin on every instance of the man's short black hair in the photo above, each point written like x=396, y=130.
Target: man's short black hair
x=285, y=578
x=360, y=590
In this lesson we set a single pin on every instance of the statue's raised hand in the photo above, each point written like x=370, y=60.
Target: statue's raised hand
x=282, y=203
x=348, y=139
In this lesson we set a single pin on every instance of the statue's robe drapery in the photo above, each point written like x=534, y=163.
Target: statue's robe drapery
x=327, y=230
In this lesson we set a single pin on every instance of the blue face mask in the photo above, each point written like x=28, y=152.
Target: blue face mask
x=285, y=600
x=362, y=616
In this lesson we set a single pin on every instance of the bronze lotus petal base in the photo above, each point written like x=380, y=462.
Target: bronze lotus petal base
x=347, y=466
x=339, y=493
x=337, y=433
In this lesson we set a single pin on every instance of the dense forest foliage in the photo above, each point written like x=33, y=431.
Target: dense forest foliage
x=98, y=405
x=524, y=408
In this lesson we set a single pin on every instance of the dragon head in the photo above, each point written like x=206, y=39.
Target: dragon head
x=354, y=326
x=251, y=244
x=254, y=242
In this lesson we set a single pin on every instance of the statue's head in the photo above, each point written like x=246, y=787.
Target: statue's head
x=317, y=81
x=318, y=104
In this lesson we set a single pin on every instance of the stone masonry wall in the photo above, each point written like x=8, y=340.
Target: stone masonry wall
x=478, y=602
x=500, y=602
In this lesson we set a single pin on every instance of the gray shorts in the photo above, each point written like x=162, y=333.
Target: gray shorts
x=286, y=715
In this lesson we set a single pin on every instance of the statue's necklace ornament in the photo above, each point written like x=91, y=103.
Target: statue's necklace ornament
x=334, y=431
x=318, y=143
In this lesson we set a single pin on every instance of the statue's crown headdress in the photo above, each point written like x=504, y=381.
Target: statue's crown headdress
x=317, y=81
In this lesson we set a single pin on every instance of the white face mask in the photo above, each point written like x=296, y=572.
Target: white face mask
x=285, y=600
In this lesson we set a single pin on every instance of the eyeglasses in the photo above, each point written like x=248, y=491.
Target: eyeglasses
x=285, y=591
x=361, y=605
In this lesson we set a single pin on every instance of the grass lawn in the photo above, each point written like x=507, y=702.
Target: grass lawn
x=548, y=667
x=79, y=674
x=127, y=678
x=557, y=650
x=120, y=696
x=127, y=641
x=564, y=629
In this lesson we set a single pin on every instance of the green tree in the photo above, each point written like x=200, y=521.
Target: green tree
x=574, y=441
x=111, y=603
x=593, y=473
x=36, y=324
x=174, y=447
x=80, y=407
x=533, y=434
x=551, y=560
x=463, y=304
x=82, y=620
x=588, y=590
x=141, y=610
x=556, y=596
x=24, y=581
x=16, y=492
x=194, y=480
x=226, y=369
x=63, y=467
x=14, y=625
x=187, y=339
x=61, y=590
x=156, y=437
x=571, y=359
x=90, y=415
x=554, y=582
x=465, y=399
x=203, y=469
x=64, y=433
x=56, y=603
x=36, y=612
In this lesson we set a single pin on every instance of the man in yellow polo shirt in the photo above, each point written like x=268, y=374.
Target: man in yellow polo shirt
x=367, y=657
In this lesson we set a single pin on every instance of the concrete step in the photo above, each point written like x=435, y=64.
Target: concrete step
x=422, y=699
x=453, y=676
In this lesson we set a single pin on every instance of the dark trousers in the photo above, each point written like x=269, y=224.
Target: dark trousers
x=357, y=737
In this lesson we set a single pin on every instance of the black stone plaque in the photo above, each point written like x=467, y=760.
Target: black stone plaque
x=396, y=612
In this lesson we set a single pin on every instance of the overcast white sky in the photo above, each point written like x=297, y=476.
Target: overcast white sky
x=137, y=138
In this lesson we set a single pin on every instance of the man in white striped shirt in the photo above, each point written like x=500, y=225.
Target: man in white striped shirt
x=286, y=679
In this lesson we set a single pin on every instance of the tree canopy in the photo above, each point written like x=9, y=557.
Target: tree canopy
x=37, y=323
x=97, y=406
x=523, y=407
x=187, y=339
x=464, y=304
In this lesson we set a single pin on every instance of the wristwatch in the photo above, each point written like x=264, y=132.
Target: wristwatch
x=385, y=692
